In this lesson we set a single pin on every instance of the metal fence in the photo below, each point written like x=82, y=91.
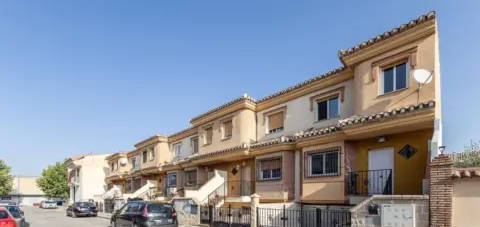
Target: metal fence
x=225, y=216
x=267, y=217
x=371, y=182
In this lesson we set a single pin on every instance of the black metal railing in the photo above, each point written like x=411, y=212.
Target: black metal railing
x=225, y=216
x=370, y=182
x=313, y=217
x=218, y=195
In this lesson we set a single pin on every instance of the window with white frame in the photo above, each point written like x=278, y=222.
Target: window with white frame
x=172, y=180
x=394, y=78
x=177, y=148
x=328, y=108
x=151, y=152
x=134, y=162
x=323, y=163
x=191, y=177
x=208, y=136
x=276, y=122
x=269, y=169
x=194, y=144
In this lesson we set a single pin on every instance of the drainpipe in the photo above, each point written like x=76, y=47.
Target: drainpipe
x=297, y=172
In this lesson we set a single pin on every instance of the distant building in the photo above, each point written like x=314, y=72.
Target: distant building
x=25, y=191
x=86, y=176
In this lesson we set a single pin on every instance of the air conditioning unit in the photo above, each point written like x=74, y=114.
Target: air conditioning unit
x=398, y=215
x=171, y=190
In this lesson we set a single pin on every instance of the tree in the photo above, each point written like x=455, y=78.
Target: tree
x=53, y=181
x=6, y=180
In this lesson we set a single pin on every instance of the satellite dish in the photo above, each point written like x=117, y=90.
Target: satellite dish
x=422, y=76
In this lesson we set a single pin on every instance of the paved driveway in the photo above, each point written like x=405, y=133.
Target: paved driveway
x=37, y=217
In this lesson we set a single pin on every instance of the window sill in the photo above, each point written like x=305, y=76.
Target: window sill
x=275, y=132
x=392, y=92
x=204, y=145
x=226, y=138
x=324, y=120
x=323, y=176
x=269, y=180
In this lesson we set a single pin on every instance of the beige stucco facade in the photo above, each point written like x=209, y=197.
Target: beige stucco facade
x=466, y=200
x=243, y=127
x=407, y=116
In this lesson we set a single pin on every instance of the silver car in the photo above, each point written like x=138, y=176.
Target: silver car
x=48, y=205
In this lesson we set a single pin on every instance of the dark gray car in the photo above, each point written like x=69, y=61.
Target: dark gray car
x=17, y=214
x=145, y=214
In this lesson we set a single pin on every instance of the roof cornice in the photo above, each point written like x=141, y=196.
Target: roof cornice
x=328, y=79
x=244, y=102
x=154, y=139
x=414, y=29
x=182, y=134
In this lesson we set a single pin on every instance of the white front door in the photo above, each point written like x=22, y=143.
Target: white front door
x=380, y=174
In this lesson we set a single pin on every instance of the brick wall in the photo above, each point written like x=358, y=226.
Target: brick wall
x=441, y=191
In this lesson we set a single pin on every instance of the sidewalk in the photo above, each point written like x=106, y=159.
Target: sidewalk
x=104, y=215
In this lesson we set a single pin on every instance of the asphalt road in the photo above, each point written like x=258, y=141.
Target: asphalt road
x=37, y=217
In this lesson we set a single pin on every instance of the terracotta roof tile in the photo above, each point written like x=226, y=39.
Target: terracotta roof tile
x=278, y=140
x=354, y=120
x=395, y=31
x=301, y=84
x=466, y=173
x=219, y=152
x=316, y=132
x=237, y=100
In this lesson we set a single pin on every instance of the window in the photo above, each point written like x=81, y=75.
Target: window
x=78, y=172
x=270, y=169
x=327, y=109
x=394, y=78
x=194, y=144
x=144, y=154
x=177, y=148
x=227, y=129
x=112, y=166
x=323, y=163
x=172, y=180
x=191, y=178
x=208, y=135
x=134, y=163
x=275, y=122
x=151, y=153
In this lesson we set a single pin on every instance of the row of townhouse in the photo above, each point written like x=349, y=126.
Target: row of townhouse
x=365, y=128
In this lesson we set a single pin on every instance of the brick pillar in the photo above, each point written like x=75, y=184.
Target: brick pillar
x=441, y=191
x=253, y=209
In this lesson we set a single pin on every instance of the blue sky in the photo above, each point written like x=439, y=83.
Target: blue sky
x=98, y=76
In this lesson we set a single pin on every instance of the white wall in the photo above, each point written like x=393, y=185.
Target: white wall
x=93, y=169
x=299, y=116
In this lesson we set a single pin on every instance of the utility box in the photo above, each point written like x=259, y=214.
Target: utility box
x=398, y=215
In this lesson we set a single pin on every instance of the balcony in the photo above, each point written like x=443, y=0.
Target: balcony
x=371, y=182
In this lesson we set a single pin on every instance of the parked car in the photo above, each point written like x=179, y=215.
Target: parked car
x=17, y=214
x=145, y=214
x=46, y=204
x=82, y=209
x=6, y=219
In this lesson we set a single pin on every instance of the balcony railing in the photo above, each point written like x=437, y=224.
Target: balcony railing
x=371, y=182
